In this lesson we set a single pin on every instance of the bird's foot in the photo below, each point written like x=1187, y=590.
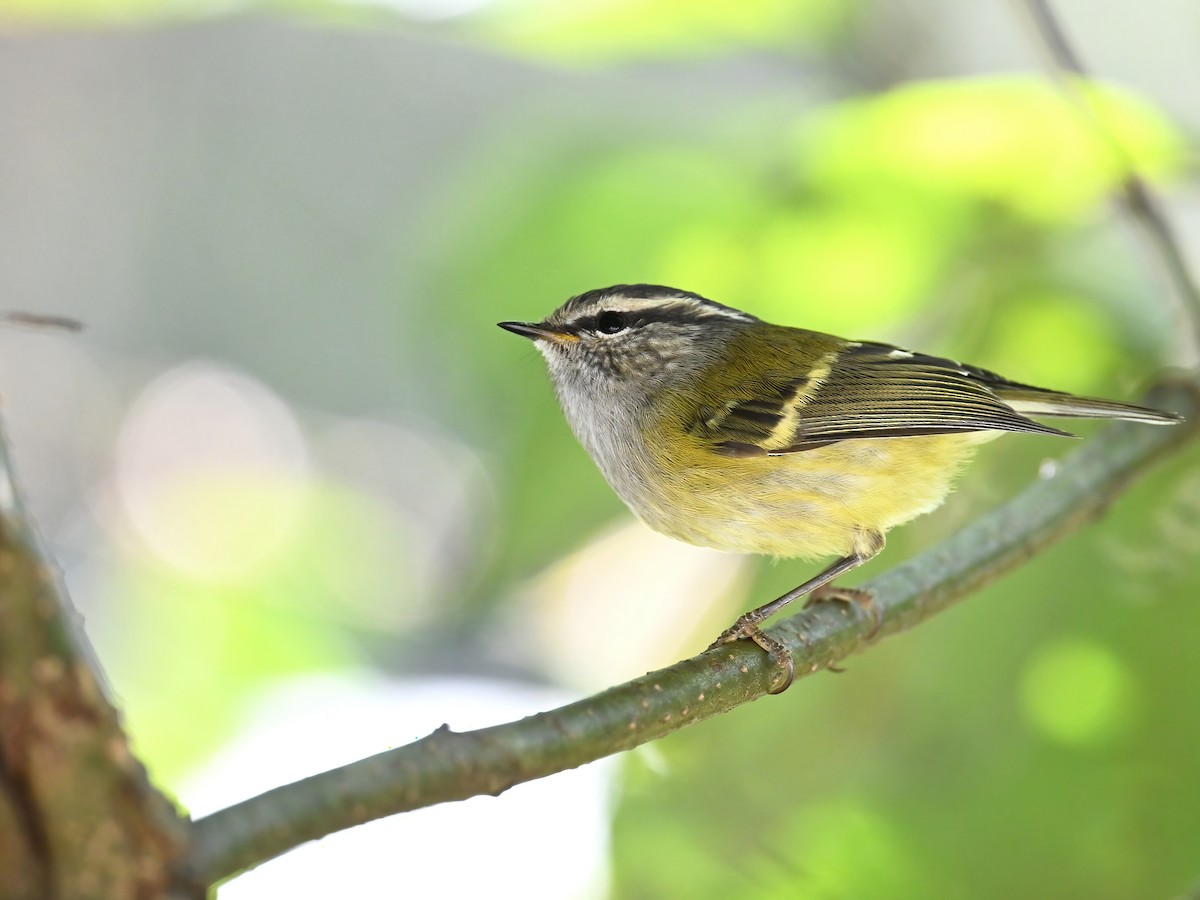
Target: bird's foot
x=746, y=628
x=860, y=599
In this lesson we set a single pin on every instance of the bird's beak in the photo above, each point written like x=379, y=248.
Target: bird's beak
x=537, y=332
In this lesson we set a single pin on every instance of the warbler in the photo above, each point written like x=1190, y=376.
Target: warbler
x=726, y=431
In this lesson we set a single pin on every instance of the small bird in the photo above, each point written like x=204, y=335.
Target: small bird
x=725, y=431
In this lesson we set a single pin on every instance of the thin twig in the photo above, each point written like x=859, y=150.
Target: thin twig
x=1139, y=201
x=449, y=766
x=42, y=320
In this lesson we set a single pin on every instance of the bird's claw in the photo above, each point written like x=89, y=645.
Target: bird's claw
x=861, y=599
x=746, y=628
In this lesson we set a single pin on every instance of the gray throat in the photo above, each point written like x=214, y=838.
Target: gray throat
x=610, y=421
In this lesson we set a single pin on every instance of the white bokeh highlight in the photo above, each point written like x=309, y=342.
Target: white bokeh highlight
x=628, y=601
x=545, y=839
x=211, y=471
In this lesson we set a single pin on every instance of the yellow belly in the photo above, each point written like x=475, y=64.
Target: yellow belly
x=808, y=504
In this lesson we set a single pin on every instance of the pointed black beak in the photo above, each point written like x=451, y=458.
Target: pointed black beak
x=536, y=332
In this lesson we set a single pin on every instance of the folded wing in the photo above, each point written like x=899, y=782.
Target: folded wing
x=864, y=390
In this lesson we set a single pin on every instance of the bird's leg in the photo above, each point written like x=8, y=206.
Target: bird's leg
x=746, y=626
x=867, y=545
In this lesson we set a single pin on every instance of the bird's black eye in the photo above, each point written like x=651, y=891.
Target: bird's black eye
x=610, y=322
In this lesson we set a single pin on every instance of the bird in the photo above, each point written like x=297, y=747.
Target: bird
x=725, y=431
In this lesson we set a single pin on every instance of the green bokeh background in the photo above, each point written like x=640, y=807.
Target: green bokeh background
x=1040, y=740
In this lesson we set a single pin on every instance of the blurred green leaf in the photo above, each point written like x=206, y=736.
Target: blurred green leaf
x=853, y=264
x=189, y=658
x=1052, y=338
x=1077, y=692
x=591, y=30
x=848, y=848
x=1015, y=141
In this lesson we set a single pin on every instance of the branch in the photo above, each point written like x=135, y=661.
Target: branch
x=1138, y=200
x=449, y=766
x=78, y=817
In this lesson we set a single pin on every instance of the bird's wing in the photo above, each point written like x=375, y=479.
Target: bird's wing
x=862, y=390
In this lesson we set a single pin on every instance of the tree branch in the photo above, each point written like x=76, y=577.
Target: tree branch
x=78, y=816
x=1136, y=198
x=449, y=766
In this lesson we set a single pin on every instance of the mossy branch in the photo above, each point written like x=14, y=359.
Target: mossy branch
x=78, y=817
x=448, y=765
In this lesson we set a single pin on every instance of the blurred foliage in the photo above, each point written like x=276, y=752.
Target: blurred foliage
x=595, y=30
x=1014, y=140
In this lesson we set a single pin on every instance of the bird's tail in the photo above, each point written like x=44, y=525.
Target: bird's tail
x=1031, y=401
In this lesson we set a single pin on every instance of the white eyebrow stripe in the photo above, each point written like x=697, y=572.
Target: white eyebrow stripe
x=683, y=304
x=645, y=301
x=703, y=309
